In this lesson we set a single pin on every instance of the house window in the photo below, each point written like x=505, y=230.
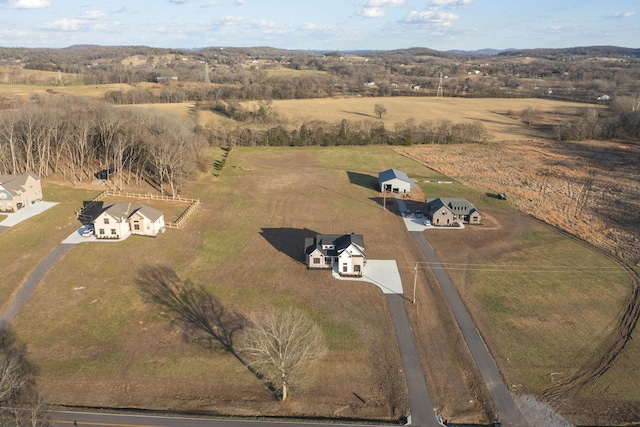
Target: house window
x=106, y=220
x=136, y=226
x=316, y=260
x=114, y=232
x=101, y=231
x=345, y=268
x=356, y=268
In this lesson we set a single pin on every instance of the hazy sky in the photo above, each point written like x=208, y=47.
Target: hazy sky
x=321, y=24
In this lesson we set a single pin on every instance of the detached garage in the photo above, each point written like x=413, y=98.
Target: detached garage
x=395, y=181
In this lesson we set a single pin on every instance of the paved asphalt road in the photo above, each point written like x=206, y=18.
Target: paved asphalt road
x=510, y=414
x=66, y=419
x=25, y=291
x=422, y=410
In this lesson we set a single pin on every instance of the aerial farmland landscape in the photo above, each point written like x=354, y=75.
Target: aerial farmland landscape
x=392, y=236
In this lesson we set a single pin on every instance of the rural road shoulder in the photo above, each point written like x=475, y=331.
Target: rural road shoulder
x=87, y=419
x=510, y=414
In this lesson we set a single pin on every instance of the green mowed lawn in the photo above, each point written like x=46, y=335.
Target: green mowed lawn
x=96, y=339
x=549, y=304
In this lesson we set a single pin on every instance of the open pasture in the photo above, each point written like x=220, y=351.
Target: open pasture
x=97, y=341
x=489, y=112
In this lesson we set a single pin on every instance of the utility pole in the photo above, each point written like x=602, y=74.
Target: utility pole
x=415, y=281
x=439, y=93
x=207, y=79
x=384, y=198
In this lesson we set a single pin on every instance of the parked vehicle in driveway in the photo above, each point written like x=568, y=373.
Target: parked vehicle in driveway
x=427, y=222
x=88, y=231
x=407, y=213
x=418, y=213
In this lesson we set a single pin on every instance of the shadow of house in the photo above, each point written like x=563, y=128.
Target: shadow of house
x=90, y=211
x=289, y=241
x=363, y=180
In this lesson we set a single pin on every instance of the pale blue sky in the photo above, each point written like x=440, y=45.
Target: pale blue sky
x=321, y=24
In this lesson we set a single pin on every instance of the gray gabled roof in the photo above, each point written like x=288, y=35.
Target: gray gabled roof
x=14, y=183
x=457, y=205
x=124, y=210
x=390, y=174
x=340, y=241
x=151, y=213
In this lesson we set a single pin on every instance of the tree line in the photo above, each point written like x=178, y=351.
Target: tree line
x=346, y=132
x=79, y=139
x=622, y=120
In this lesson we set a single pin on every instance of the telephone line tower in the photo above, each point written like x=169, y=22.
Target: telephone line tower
x=439, y=93
x=207, y=79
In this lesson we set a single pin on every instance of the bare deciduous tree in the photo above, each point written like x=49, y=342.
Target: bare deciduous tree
x=379, y=110
x=529, y=115
x=20, y=404
x=283, y=345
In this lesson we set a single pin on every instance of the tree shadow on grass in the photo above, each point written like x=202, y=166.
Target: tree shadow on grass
x=203, y=318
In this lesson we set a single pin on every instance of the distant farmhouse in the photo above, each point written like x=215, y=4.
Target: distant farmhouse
x=344, y=252
x=395, y=181
x=122, y=219
x=446, y=211
x=18, y=191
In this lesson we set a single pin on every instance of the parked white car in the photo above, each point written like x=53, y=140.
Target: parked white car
x=88, y=231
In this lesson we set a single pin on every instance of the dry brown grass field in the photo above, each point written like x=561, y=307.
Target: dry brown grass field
x=104, y=345
x=489, y=112
x=97, y=341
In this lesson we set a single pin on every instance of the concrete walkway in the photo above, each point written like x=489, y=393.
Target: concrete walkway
x=509, y=412
x=382, y=273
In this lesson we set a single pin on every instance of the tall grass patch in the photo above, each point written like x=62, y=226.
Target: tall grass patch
x=548, y=303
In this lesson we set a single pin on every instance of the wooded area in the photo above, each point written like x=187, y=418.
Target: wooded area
x=82, y=139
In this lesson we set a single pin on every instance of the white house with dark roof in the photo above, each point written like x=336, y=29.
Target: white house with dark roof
x=121, y=219
x=344, y=253
x=18, y=191
x=446, y=211
x=395, y=181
